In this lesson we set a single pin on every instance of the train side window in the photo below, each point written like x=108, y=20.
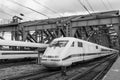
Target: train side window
x=80, y=44
x=96, y=47
x=73, y=44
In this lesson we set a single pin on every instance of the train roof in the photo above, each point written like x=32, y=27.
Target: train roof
x=66, y=38
x=72, y=39
x=75, y=39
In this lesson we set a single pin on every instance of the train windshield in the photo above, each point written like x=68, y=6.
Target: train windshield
x=60, y=43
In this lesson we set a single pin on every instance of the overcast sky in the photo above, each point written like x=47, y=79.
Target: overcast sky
x=59, y=8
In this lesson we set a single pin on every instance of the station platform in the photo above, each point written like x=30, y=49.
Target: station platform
x=114, y=72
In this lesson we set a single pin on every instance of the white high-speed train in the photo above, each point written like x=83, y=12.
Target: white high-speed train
x=67, y=50
x=7, y=55
x=13, y=54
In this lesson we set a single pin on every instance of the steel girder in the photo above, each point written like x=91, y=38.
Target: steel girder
x=91, y=28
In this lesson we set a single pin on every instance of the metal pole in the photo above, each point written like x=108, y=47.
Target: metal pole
x=63, y=71
x=39, y=58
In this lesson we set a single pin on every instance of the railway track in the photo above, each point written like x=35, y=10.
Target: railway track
x=9, y=64
x=80, y=72
x=38, y=75
x=84, y=71
x=34, y=75
x=95, y=73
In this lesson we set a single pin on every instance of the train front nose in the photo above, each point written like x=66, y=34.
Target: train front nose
x=50, y=63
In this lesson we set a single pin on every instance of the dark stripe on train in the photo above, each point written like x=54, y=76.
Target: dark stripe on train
x=76, y=55
x=105, y=49
x=17, y=53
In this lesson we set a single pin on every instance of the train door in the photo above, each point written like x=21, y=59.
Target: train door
x=80, y=50
x=76, y=51
x=72, y=52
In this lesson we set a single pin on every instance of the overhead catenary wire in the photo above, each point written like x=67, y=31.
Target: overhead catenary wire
x=15, y=11
x=29, y=8
x=54, y=11
x=6, y=13
x=9, y=8
x=84, y=7
x=109, y=4
x=104, y=4
x=89, y=5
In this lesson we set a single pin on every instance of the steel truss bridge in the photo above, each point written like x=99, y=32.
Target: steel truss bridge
x=101, y=28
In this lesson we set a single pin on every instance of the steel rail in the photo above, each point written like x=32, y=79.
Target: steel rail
x=32, y=73
x=79, y=76
x=44, y=74
x=13, y=63
x=104, y=71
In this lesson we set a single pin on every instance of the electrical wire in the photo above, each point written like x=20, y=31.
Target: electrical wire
x=29, y=8
x=8, y=20
x=109, y=4
x=10, y=9
x=15, y=11
x=54, y=11
x=6, y=13
x=104, y=4
x=89, y=5
x=84, y=7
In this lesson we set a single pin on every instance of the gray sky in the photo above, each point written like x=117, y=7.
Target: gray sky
x=60, y=7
